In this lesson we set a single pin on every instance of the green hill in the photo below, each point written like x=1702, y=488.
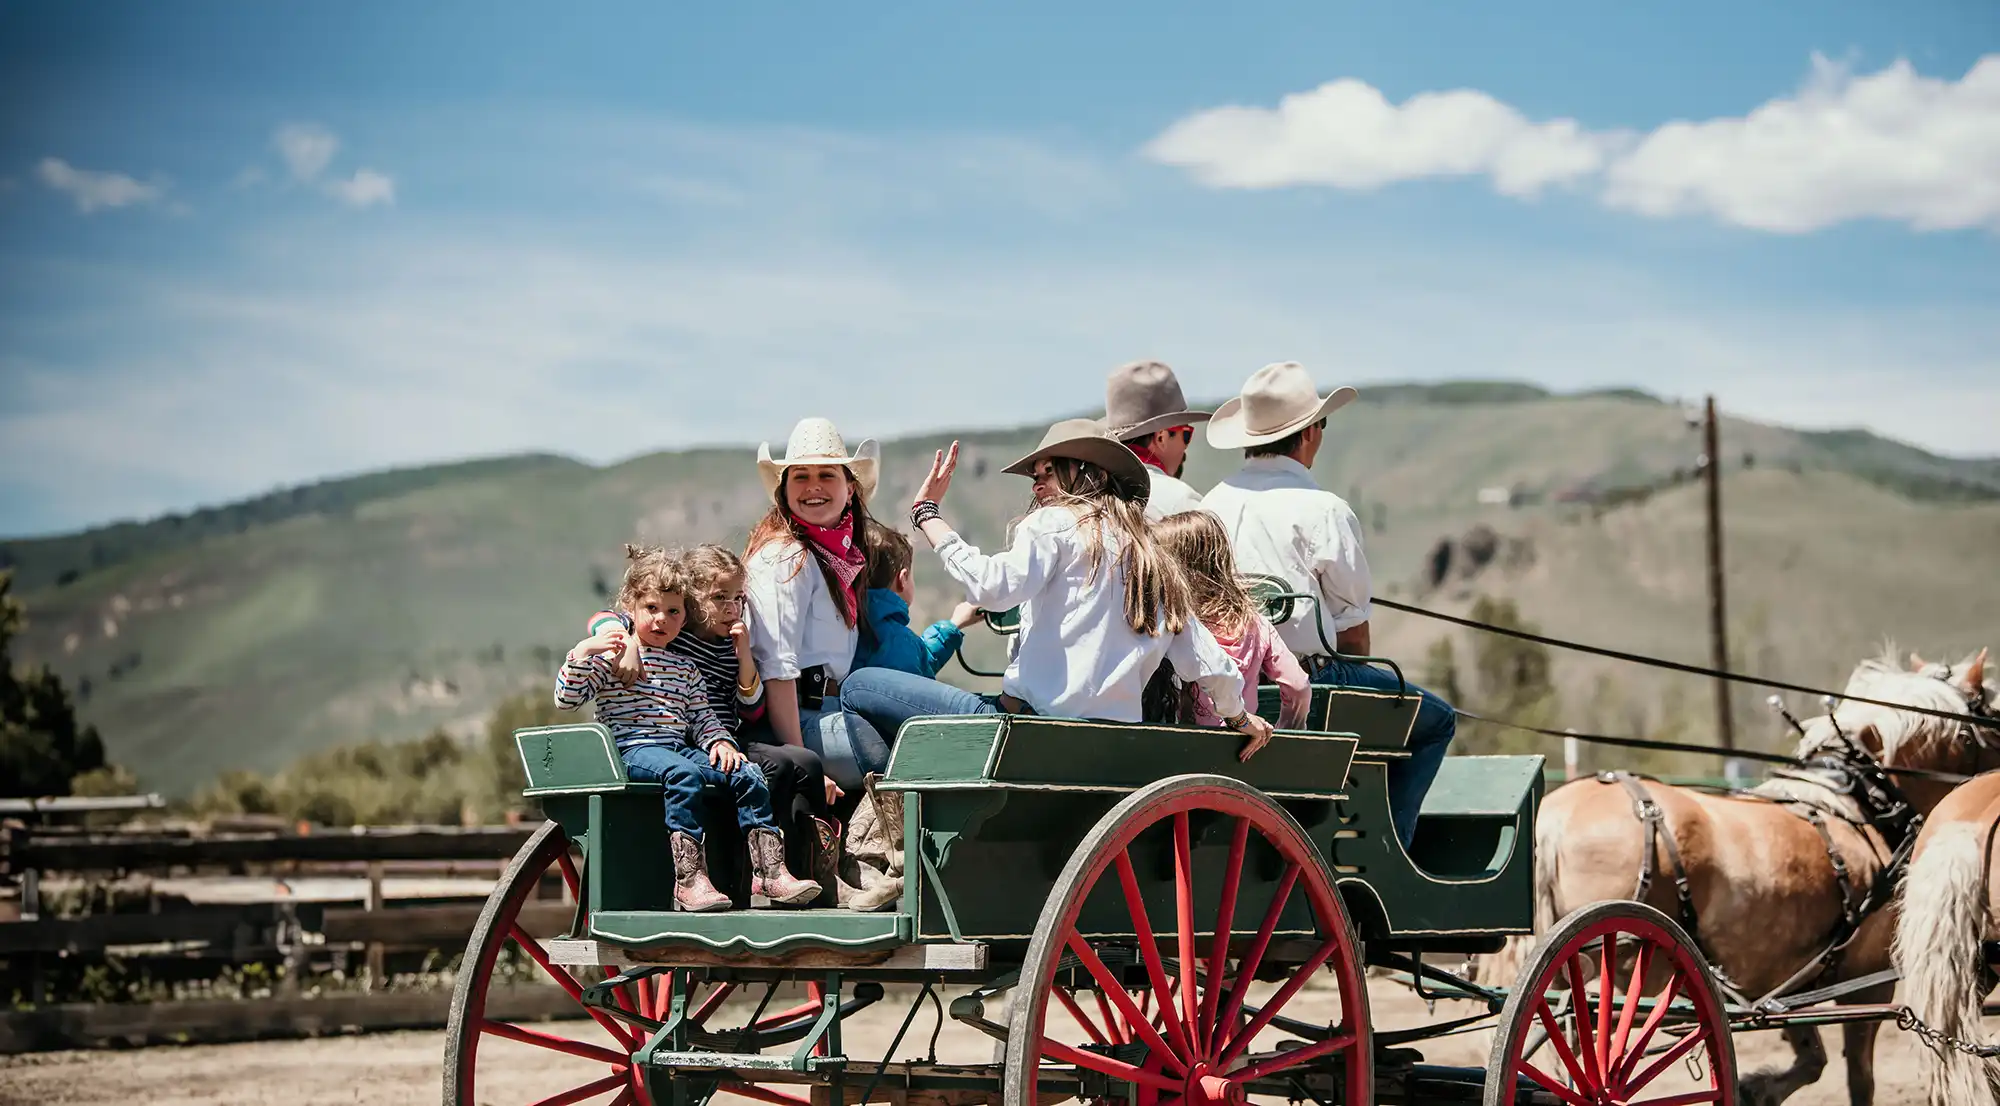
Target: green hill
x=385, y=605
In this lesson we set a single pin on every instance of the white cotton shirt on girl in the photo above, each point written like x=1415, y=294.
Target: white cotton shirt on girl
x=794, y=621
x=1076, y=657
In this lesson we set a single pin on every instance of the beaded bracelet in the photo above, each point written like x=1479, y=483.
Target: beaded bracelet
x=923, y=511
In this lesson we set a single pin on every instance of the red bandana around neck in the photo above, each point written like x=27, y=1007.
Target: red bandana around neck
x=1146, y=456
x=834, y=546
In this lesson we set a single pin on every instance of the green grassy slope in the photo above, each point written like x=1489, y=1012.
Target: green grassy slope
x=393, y=606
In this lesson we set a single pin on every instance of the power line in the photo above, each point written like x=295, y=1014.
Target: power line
x=1980, y=721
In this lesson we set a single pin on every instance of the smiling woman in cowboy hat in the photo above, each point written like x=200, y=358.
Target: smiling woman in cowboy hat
x=1101, y=605
x=805, y=576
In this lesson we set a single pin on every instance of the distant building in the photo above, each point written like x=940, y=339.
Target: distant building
x=1496, y=496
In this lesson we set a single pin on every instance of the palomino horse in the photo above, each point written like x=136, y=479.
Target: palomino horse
x=1950, y=907
x=1764, y=894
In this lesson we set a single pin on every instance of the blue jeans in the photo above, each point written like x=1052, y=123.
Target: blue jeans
x=682, y=771
x=1436, y=722
x=887, y=698
x=847, y=745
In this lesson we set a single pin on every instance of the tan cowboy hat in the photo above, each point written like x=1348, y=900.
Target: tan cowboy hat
x=817, y=442
x=1085, y=440
x=1144, y=397
x=1276, y=402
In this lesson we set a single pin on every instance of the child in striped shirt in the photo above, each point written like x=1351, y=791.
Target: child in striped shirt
x=667, y=732
x=717, y=641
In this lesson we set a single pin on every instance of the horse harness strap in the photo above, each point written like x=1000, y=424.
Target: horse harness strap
x=1653, y=819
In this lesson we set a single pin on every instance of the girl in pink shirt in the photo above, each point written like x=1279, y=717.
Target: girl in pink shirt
x=1198, y=543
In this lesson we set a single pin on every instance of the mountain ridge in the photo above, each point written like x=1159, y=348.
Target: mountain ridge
x=382, y=610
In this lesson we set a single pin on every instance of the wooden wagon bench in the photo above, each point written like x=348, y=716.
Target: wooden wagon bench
x=1123, y=886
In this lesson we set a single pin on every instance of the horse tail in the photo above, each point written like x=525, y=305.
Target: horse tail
x=1938, y=949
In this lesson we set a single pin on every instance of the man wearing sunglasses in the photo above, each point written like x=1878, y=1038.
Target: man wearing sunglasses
x=1144, y=408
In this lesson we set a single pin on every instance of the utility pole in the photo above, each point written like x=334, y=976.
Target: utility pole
x=1718, y=624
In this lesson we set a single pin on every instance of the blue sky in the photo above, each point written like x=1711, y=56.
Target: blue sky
x=246, y=245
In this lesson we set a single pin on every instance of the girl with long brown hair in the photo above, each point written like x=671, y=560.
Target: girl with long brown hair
x=1200, y=546
x=1101, y=604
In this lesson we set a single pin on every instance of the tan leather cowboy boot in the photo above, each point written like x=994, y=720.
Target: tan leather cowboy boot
x=875, y=846
x=692, y=890
x=769, y=876
x=834, y=890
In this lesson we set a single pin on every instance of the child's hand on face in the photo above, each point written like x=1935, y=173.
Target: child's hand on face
x=725, y=757
x=739, y=636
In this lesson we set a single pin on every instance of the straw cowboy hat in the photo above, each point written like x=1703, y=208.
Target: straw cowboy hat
x=817, y=442
x=1143, y=397
x=1276, y=402
x=1085, y=440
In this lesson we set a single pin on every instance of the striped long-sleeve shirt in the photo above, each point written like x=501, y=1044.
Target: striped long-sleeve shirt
x=667, y=706
x=715, y=660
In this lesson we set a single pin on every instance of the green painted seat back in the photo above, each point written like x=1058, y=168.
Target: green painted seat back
x=574, y=758
x=1027, y=753
x=575, y=774
x=1378, y=718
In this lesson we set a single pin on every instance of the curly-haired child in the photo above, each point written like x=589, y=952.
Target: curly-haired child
x=667, y=732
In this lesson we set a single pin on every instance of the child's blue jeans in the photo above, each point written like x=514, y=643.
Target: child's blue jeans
x=682, y=771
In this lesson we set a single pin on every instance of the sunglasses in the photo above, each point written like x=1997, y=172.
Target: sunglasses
x=1186, y=433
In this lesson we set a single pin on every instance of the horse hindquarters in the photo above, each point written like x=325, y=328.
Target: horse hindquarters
x=1938, y=946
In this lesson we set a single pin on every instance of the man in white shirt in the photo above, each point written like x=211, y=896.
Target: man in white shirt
x=1282, y=523
x=1144, y=408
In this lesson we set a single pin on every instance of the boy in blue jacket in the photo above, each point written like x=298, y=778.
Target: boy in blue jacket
x=887, y=641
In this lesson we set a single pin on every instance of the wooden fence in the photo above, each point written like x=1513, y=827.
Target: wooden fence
x=307, y=937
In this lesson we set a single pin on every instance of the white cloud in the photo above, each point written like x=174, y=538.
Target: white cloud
x=1891, y=145
x=399, y=350
x=364, y=189
x=307, y=149
x=92, y=189
x=1346, y=134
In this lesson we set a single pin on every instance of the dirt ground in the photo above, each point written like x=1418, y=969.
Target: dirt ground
x=401, y=1068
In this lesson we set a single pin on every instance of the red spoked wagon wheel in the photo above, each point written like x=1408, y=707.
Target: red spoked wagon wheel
x=1616, y=1007
x=586, y=1057
x=1197, y=1017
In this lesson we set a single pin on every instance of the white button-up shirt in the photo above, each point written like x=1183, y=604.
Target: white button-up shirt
x=1281, y=523
x=1076, y=657
x=1169, y=496
x=794, y=621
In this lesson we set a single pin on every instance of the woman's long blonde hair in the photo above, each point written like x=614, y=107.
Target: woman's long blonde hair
x=1157, y=599
x=1200, y=547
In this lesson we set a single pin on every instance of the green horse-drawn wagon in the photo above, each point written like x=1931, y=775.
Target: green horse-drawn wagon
x=1151, y=909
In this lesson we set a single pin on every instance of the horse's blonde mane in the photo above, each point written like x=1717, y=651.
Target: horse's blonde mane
x=1908, y=739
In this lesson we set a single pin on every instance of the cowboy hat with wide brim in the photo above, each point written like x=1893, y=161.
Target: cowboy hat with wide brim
x=818, y=442
x=1276, y=402
x=1144, y=397
x=1085, y=440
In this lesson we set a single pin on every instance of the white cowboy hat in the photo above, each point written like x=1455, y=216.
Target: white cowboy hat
x=1276, y=402
x=1085, y=440
x=818, y=442
x=1143, y=397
